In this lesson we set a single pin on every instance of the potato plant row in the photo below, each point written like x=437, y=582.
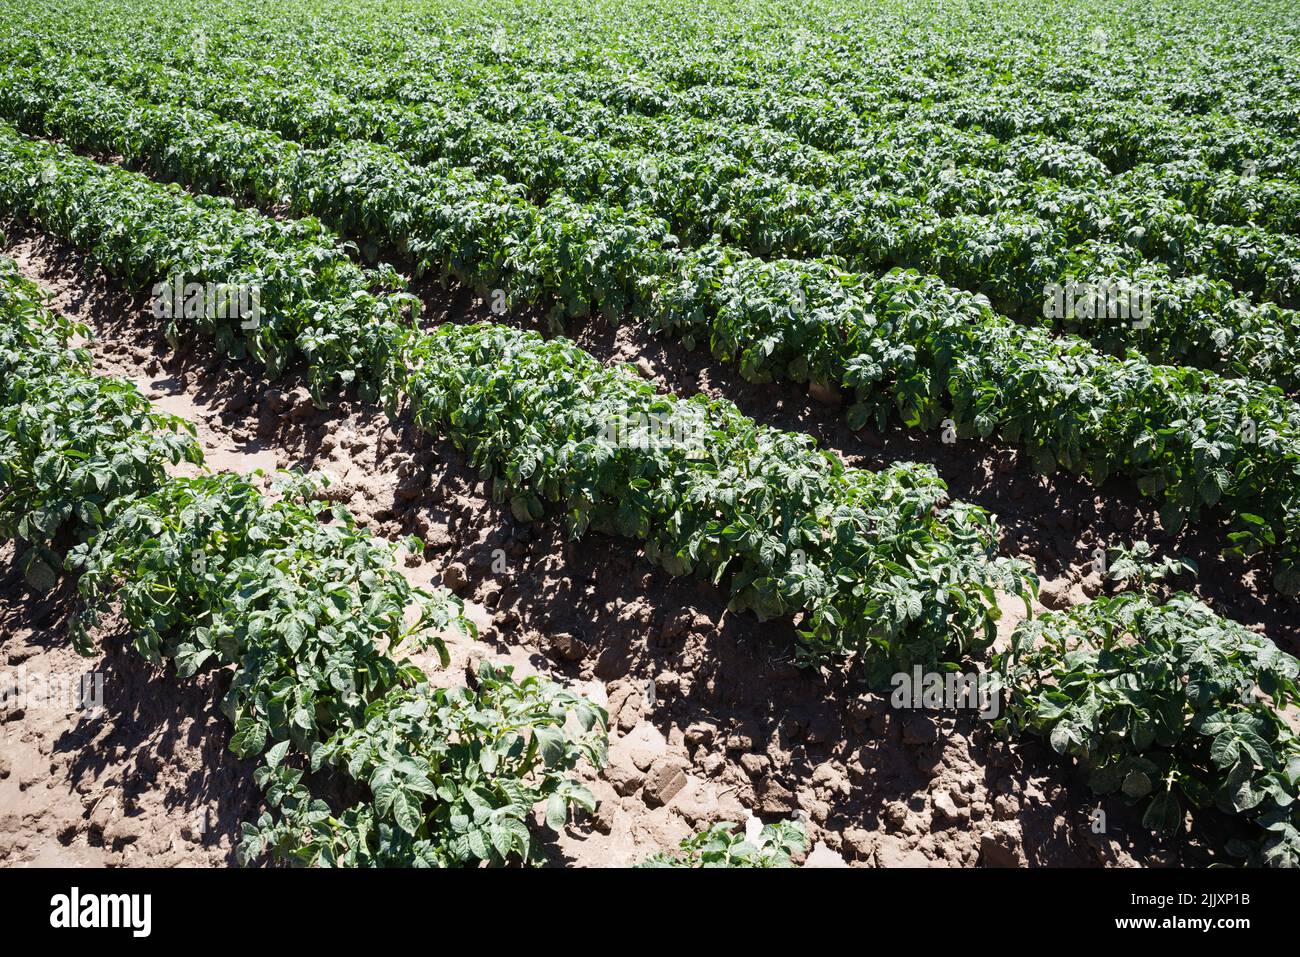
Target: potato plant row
x=877, y=565
x=623, y=76
x=1167, y=704
x=987, y=231
x=306, y=617
x=1163, y=702
x=900, y=341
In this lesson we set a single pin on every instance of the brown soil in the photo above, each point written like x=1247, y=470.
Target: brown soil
x=731, y=726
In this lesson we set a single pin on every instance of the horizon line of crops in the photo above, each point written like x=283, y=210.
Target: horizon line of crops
x=482, y=108
x=902, y=340
x=810, y=95
x=1009, y=246
x=629, y=89
x=474, y=134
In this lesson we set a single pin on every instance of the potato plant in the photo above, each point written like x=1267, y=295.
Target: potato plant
x=1168, y=705
x=306, y=615
x=451, y=776
x=721, y=846
x=71, y=443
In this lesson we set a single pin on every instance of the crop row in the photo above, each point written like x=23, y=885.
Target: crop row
x=467, y=123
x=987, y=230
x=625, y=86
x=1157, y=701
x=874, y=563
x=70, y=443
x=748, y=191
x=901, y=340
x=1166, y=704
x=1011, y=256
x=827, y=90
x=307, y=616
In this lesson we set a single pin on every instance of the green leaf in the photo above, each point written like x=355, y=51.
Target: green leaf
x=1164, y=814
x=1136, y=784
x=557, y=812
x=551, y=743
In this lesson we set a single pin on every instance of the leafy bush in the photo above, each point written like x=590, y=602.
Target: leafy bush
x=208, y=571
x=1169, y=705
x=451, y=776
x=70, y=442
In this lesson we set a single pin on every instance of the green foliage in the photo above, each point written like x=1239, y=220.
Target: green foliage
x=315, y=303
x=1168, y=705
x=891, y=261
x=877, y=564
x=451, y=776
x=306, y=614
x=720, y=846
x=810, y=204
x=1140, y=567
x=71, y=443
x=209, y=572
